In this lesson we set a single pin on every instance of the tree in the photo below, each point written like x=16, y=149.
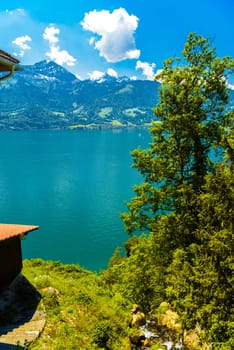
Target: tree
x=200, y=276
x=186, y=201
x=192, y=123
x=137, y=276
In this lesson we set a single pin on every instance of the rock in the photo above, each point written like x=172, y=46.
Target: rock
x=50, y=290
x=137, y=339
x=137, y=317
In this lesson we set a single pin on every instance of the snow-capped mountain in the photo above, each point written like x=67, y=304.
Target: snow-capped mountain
x=45, y=95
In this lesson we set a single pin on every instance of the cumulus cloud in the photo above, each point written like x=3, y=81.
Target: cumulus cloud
x=56, y=54
x=96, y=75
x=50, y=34
x=21, y=43
x=112, y=73
x=116, y=30
x=147, y=69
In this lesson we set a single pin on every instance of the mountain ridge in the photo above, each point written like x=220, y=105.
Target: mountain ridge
x=47, y=96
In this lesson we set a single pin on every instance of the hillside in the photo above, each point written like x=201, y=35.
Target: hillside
x=47, y=96
x=54, y=303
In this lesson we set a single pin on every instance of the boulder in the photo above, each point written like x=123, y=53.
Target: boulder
x=137, y=317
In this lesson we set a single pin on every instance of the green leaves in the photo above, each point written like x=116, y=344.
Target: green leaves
x=191, y=123
x=186, y=200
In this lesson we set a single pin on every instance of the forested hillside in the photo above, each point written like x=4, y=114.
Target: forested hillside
x=46, y=96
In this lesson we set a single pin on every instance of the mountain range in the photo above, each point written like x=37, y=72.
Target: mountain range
x=47, y=96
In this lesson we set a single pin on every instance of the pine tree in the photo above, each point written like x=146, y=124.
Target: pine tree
x=186, y=200
x=191, y=124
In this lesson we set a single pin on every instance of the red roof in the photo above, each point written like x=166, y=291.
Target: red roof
x=12, y=230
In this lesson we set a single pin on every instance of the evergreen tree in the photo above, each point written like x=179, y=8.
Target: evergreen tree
x=200, y=276
x=192, y=121
x=186, y=200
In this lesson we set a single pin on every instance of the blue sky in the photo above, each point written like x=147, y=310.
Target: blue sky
x=125, y=37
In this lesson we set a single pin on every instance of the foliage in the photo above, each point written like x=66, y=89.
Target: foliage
x=191, y=122
x=200, y=277
x=79, y=308
x=185, y=203
x=135, y=276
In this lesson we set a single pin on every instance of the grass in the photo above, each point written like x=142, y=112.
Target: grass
x=81, y=311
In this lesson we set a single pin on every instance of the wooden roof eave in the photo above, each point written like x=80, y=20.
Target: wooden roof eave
x=8, y=231
x=9, y=67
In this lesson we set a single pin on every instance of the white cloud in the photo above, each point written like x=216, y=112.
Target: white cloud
x=91, y=41
x=229, y=85
x=116, y=30
x=21, y=43
x=60, y=56
x=56, y=54
x=19, y=11
x=147, y=69
x=112, y=73
x=158, y=72
x=50, y=35
x=78, y=76
x=16, y=24
x=96, y=75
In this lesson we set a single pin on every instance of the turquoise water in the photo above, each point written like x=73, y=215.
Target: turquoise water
x=73, y=185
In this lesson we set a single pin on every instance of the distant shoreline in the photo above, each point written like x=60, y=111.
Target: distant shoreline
x=83, y=127
x=107, y=126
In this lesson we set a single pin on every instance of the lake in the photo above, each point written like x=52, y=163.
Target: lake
x=73, y=184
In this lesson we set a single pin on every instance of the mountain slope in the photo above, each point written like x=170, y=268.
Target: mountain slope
x=47, y=96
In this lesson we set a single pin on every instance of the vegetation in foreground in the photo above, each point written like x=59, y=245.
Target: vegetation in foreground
x=81, y=312
x=179, y=263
